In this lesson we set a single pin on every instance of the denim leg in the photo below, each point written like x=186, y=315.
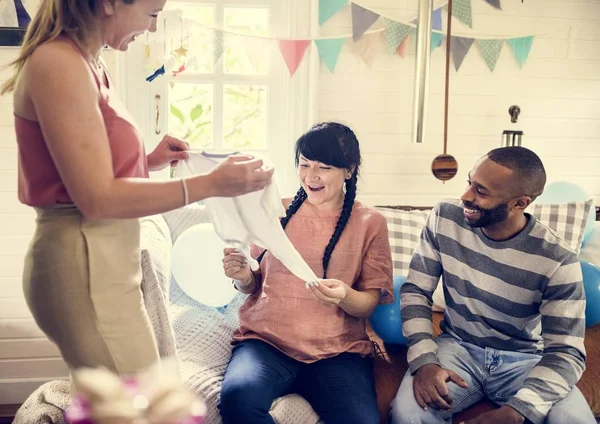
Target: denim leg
x=341, y=389
x=257, y=373
x=572, y=409
x=507, y=372
x=455, y=357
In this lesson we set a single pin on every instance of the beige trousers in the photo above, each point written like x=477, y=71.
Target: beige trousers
x=82, y=282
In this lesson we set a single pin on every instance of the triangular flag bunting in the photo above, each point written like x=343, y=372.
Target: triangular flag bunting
x=395, y=33
x=460, y=47
x=218, y=45
x=521, y=47
x=329, y=50
x=362, y=19
x=490, y=50
x=401, y=50
x=293, y=52
x=436, y=19
x=23, y=18
x=495, y=3
x=365, y=47
x=436, y=40
x=255, y=48
x=461, y=9
x=328, y=8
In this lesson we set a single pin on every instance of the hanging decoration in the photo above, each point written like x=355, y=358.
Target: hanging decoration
x=401, y=50
x=395, y=33
x=329, y=8
x=495, y=3
x=521, y=47
x=461, y=10
x=364, y=47
x=362, y=19
x=444, y=167
x=362, y=40
x=460, y=47
x=329, y=50
x=293, y=52
x=490, y=50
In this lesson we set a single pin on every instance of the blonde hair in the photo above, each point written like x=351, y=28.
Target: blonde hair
x=78, y=18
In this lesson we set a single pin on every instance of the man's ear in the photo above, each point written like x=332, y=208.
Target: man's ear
x=521, y=203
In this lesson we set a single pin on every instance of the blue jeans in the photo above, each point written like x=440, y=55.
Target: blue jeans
x=340, y=389
x=504, y=375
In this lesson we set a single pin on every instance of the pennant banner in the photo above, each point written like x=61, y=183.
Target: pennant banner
x=364, y=47
x=218, y=46
x=328, y=8
x=293, y=52
x=401, y=50
x=461, y=9
x=362, y=19
x=521, y=47
x=436, y=40
x=436, y=19
x=255, y=49
x=459, y=48
x=329, y=50
x=490, y=50
x=495, y=3
x=396, y=37
x=395, y=33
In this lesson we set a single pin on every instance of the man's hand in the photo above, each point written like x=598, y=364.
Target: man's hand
x=503, y=415
x=429, y=386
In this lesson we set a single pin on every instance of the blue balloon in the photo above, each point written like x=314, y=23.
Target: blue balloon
x=566, y=192
x=386, y=321
x=591, y=283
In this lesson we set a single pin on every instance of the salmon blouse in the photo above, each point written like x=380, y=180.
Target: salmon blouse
x=286, y=315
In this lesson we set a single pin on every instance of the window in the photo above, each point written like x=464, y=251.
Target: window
x=237, y=94
x=220, y=102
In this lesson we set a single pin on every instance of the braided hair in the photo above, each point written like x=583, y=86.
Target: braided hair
x=336, y=145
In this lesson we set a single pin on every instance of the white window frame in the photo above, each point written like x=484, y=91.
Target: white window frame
x=291, y=101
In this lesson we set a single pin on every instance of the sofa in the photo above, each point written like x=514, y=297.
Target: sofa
x=202, y=334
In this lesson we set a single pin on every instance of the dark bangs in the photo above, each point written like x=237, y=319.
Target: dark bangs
x=323, y=143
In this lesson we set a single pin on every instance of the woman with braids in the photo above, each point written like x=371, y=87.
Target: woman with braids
x=313, y=341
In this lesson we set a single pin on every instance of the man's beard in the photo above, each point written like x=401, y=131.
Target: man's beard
x=487, y=217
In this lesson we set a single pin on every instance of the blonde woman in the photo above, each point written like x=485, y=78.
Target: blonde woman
x=83, y=167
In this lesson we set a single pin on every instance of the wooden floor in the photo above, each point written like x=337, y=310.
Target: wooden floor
x=7, y=413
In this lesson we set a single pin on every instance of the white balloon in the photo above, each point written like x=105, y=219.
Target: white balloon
x=197, y=265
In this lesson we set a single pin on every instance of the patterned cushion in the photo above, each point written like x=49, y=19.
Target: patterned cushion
x=567, y=220
x=404, y=229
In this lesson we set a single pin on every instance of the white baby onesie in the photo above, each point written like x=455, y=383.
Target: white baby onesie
x=251, y=218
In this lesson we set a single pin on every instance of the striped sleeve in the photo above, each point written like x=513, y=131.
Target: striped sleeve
x=416, y=297
x=563, y=330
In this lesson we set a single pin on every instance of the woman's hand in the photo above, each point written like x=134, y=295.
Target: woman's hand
x=235, y=265
x=330, y=291
x=238, y=174
x=170, y=150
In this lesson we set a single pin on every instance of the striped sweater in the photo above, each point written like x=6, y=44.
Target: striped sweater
x=525, y=294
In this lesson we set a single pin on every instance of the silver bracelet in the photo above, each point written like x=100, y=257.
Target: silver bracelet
x=186, y=199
